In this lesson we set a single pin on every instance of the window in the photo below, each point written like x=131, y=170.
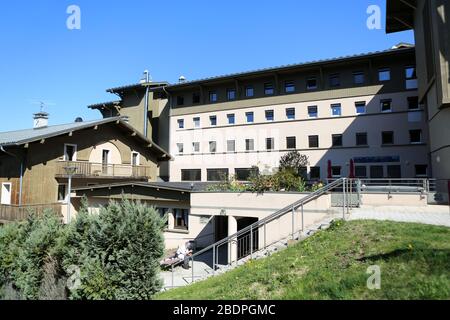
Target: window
x=335, y=80
x=196, y=98
x=415, y=136
x=376, y=172
x=413, y=103
x=135, y=159
x=70, y=152
x=268, y=89
x=249, y=91
x=291, y=142
x=196, y=147
x=313, y=112
x=269, y=115
x=358, y=77
x=290, y=113
x=163, y=214
x=244, y=174
x=384, y=74
x=360, y=107
x=197, y=122
x=311, y=83
x=394, y=171
x=213, y=146
x=314, y=173
x=213, y=120
x=249, y=144
x=191, y=175
x=386, y=105
x=231, y=94
x=213, y=96
x=62, y=192
x=180, y=147
x=231, y=146
x=336, y=110
x=387, y=137
x=180, y=123
x=181, y=218
x=421, y=170
x=303, y=173
x=411, y=78
x=217, y=174
x=313, y=141
x=336, y=172
x=289, y=86
x=231, y=118
x=270, y=144
x=360, y=172
x=180, y=100
x=336, y=140
x=361, y=139
x=250, y=117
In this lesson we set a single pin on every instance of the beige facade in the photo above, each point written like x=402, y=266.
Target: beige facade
x=430, y=21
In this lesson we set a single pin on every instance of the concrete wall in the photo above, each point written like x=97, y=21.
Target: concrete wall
x=394, y=199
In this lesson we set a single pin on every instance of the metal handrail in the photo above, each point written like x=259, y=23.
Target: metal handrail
x=271, y=217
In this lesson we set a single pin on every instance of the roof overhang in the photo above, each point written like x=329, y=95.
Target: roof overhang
x=400, y=15
x=136, y=87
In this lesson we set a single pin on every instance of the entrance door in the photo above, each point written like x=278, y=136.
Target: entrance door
x=105, y=161
x=221, y=232
x=6, y=193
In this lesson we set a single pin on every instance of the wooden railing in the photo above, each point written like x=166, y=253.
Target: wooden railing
x=9, y=213
x=90, y=169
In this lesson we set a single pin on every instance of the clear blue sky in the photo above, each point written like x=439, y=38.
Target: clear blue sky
x=40, y=59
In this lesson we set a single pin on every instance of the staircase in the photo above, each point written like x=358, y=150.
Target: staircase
x=256, y=246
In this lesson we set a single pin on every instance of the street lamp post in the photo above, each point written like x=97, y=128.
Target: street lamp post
x=70, y=171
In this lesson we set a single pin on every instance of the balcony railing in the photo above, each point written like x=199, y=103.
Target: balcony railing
x=10, y=213
x=85, y=169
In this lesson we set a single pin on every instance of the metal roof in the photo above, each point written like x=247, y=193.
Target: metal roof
x=136, y=86
x=175, y=186
x=289, y=66
x=104, y=104
x=20, y=137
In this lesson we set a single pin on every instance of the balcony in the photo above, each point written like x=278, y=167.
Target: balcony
x=10, y=213
x=86, y=169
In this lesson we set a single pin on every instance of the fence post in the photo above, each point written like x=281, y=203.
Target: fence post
x=173, y=281
x=214, y=260
x=303, y=221
x=293, y=222
x=251, y=242
x=265, y=233
x=343, y=198
x=192, y=269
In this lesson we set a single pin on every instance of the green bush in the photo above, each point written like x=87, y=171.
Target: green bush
x=116, y=254
x=117, y=251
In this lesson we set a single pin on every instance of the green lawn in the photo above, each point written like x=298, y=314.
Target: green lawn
x=414, y=261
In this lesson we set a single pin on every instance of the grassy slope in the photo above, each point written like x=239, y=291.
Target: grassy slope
x=414, y=261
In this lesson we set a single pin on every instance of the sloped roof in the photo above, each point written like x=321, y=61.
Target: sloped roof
x=175, y=186
x=21, y=137
x=289, y=66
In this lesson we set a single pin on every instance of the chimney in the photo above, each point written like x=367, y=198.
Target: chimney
x=40, y=120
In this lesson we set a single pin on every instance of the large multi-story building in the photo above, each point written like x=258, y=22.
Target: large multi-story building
x=362, y=109
x=430, y=21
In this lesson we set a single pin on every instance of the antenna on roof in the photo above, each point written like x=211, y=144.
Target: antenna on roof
x=182, y=79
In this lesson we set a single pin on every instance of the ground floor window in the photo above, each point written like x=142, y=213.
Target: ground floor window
x=217, y=174
x=376, y=172
x=191, y=175
x=181, y=218
x=421, y=170
x=163, y=212
x=360, y=171
x=62, y=192
x=394, y=171
x=314, y=173
x=336, y=171
x=244, y=174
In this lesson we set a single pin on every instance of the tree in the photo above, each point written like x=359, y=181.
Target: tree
x=295, y=161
